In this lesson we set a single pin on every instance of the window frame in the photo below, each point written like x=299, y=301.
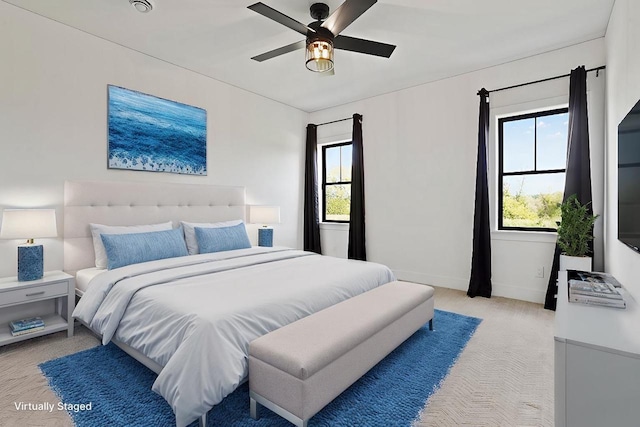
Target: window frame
x=535, y=171
x=324, y=180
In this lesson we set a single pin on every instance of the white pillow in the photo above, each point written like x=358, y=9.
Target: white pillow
x=190, y=232
x=98, y=229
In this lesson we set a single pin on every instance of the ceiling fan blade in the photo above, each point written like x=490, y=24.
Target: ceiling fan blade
x=363, y=46
x=280, y=51
x=348, y=12
x=280, y=17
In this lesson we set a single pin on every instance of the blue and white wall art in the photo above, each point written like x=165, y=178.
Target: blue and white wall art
x=147, y=133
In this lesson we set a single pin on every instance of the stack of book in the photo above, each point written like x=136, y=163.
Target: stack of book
x=595, y=289
x=26, y=326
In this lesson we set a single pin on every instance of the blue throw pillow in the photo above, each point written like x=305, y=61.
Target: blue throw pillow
x=222, y=238
x=126, y=249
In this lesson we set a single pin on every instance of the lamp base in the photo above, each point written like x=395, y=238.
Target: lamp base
x=30, y=265
x=265, y=237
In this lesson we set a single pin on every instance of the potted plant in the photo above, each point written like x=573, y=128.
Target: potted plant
x=575, y=231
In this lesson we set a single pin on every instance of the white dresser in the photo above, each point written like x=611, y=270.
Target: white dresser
x=597, y=363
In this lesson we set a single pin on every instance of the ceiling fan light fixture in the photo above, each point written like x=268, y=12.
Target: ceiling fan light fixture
x=142, y=6
x=322, y=33
x=319, y=55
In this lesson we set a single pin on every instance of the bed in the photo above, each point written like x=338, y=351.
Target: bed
x=191, y=318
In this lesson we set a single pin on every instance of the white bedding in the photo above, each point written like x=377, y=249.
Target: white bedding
x=196, y=315
x=84, y=276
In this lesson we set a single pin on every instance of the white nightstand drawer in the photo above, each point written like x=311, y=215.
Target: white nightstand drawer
x=34, y=293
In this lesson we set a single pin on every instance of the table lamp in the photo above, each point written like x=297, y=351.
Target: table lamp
x=29, y=224
x=264, y=215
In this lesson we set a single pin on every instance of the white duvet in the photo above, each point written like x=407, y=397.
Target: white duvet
x=196, y=315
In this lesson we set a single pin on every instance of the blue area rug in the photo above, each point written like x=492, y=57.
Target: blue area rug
x=390, y=394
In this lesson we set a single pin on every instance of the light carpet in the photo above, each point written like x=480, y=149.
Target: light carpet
x=391, y=393
x=491, y=402
x=505, y=375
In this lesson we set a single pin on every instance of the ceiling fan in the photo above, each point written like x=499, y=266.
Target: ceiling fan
x=323, y=35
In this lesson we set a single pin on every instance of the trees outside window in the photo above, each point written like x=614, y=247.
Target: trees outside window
x=532, y=162
x=336, y=182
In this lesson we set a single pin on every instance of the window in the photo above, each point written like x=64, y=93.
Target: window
x=336, y=182
x=533, y=157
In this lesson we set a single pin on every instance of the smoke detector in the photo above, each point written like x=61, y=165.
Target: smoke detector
x=142, y=6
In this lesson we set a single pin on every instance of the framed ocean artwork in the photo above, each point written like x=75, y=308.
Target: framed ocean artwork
x=148, y=133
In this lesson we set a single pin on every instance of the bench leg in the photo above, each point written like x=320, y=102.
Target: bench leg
x=255, y=400
x=253, y=406
x=431, y=325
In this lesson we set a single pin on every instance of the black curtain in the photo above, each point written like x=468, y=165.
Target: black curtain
x=311, y=219
x=578, y=175
x=357, y=248
x=480, y=281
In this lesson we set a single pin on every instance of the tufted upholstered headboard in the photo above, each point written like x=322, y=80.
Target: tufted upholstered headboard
x=135, y=203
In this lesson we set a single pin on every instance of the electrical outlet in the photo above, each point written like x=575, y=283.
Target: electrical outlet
x=540, y=272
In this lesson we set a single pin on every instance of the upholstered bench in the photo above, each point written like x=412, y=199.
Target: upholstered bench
x=297, y=370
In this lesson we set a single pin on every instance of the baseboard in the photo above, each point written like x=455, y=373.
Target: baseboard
x=515, y=292
x=498, y=289
x=428, y=279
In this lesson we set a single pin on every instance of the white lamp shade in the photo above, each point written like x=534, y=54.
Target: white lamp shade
x=264, y=214
x=28, y=223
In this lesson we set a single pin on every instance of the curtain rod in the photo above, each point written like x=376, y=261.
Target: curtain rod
x=335, y=121
x=597, y=69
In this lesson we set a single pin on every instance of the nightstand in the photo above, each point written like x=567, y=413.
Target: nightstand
x=52, y=298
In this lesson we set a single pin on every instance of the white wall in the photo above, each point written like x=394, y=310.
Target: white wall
x=420, y=147
x=623, y=91
x=53, y=118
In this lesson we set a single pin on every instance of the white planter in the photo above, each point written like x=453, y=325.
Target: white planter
x=582, y=263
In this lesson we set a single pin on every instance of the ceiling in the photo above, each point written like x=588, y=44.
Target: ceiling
x=434, y=38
